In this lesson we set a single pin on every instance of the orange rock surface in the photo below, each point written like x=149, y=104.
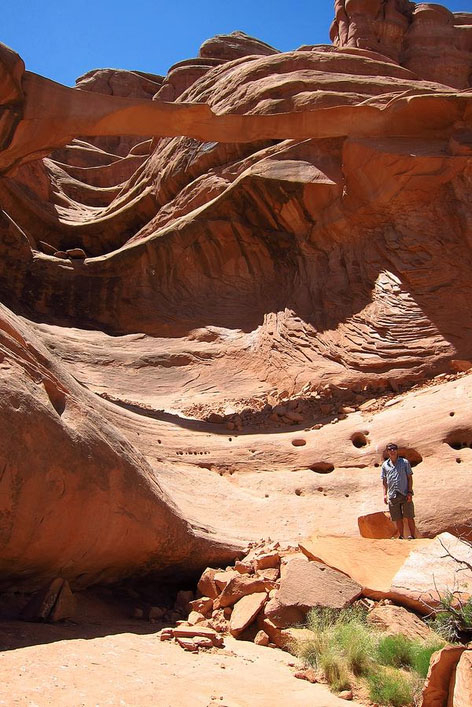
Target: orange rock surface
x=198, y=269
x=415, y=573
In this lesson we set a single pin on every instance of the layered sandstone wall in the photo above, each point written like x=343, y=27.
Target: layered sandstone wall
x=426, y=38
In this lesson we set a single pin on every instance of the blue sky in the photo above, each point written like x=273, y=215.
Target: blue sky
x=62, y=39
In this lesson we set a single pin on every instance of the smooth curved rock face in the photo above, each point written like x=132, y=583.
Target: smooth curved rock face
x=295, y=253
x=77, y=499
x=426, y=38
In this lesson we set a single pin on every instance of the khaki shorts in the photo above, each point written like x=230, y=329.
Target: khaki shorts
x=401, y=508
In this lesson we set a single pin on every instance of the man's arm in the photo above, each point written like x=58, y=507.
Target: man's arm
x=409, y=476
x=384, y=481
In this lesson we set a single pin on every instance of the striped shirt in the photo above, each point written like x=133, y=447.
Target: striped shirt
x=396, y=476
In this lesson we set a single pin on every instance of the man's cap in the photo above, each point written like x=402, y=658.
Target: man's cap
x=391, y=446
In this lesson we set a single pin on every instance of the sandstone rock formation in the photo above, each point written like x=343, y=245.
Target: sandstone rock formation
x=426, y=38
x=415, y=573
x=199, y=269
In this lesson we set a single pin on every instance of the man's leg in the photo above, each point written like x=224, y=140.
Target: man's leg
x=397, y=516
x=399, y=524
x=409, y=514
x=412, y=527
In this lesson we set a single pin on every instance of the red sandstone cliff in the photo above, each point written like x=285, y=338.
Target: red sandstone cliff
x=282, y=229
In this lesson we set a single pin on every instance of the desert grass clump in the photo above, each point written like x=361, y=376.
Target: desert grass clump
x=401, y=652
x=341, y=645
x=390, y=687
x=421, y=655
x=333, y=665
x=348, y=651
x=394, y=651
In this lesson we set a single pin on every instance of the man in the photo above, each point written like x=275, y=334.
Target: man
x=397, y=479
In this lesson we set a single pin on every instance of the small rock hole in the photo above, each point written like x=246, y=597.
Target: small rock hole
x=459, y=439
x=451, y=414
x=322, y=467
x=359, y=440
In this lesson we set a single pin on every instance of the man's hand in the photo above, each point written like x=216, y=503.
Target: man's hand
x=409, y=497
x=385, y=499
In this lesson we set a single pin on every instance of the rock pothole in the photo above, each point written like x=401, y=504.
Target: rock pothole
x=460, y=439
x=322, y=467
x=359, y=440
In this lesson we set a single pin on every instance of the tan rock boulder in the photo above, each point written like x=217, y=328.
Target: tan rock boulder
x=240, y=586
x=222, y=579
x=270, y=560
x=394, y=620
x=261, y=639
x=436, y=688
x=195, y=618
x=370, y=562
x=462, y=690
x=377, y=525
x=290, y=638
x=207, y=585
x=204, y=605
x=306, y=585
x=245, y=611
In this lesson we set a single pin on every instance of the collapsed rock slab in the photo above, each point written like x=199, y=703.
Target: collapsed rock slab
x=245, y=611
x=207, y=585
x=371, y=563
x=204, y=605
x=305, y=585
x=409, y=572
x=240, y=586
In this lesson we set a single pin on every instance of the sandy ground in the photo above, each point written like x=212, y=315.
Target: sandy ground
x=131, y=669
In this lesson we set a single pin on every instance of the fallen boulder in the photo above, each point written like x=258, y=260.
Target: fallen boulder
x=241, y=585
x=245, y=611
x=305, y=585
x=394, y=620
x=377, y=525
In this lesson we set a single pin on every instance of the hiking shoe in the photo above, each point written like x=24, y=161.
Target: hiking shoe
x=411, y=537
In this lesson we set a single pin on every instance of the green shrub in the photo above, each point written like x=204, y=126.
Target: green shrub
x=421, y=653
x=390, y=688
x=394, y=651
x=401, y=652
